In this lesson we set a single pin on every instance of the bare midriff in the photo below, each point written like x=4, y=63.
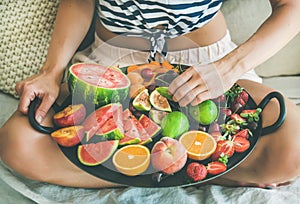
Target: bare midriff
x=206, y=35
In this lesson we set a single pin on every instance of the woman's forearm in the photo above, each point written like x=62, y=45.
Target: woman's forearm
x=72, y=23
x=282, y=25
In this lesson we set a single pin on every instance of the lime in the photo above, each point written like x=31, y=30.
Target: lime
x=174, y=124
x=205, y=113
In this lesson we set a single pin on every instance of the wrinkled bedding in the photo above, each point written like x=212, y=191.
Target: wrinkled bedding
x=211, y=194
x=26, y=191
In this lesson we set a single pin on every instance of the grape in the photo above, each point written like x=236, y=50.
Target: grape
x=214, y=127
x=252, y=125
x=222, y=98
x=147, y=74
x=131, y=107
x=236, y=107
x=151, y=87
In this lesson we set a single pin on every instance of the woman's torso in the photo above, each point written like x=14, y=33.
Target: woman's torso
x=210, y=31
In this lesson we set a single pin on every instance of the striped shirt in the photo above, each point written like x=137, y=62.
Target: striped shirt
x=156, y=20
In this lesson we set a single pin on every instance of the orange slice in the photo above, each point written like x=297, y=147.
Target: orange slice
x=199, y=145
x=132, y=160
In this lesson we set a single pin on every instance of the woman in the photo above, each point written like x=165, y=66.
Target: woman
x=274, y=161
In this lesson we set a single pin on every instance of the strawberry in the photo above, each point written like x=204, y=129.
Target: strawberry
x=244, y=95
x=240, y=101
x=216, y=167
x=243, y=133
x=224, y=147
x=240, y=144
x=247, y=111
x=238, y=119
x=216, y=135
x=196, y=171
x=226, y=111
x=251, y=115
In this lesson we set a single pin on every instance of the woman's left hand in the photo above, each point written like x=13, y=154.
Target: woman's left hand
x=199, y=83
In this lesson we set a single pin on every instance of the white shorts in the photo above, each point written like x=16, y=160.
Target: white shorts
x=110, y=55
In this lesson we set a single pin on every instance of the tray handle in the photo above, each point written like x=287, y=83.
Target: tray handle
x=282, y=114
x=32, y=120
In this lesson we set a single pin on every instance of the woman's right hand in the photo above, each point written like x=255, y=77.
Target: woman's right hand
x=43, y=85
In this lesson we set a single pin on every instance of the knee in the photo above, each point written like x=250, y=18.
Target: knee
x=17, y=152
x=280, y=162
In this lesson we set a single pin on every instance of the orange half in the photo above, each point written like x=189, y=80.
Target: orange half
x=198, y=144
x=132, y=160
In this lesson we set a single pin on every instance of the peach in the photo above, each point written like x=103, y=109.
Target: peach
x=68, y=136
x=71, y=115
x=168, y=155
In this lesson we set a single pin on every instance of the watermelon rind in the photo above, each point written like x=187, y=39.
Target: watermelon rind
x=110, y=147
x=92, y=94
x=93, y=125
x=129, y=141
x=115, y=134
x=141, y=133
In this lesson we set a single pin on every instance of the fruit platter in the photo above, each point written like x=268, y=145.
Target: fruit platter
x=121, y=125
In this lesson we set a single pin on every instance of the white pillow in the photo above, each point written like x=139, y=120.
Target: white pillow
x=243, y=18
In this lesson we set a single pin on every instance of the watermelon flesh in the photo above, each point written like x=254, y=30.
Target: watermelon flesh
x=149, y=125
x=96, y=153
x=97, y=85
x=133, y=130
x=106, y=121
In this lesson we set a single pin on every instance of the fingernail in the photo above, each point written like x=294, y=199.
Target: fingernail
x=39, y=119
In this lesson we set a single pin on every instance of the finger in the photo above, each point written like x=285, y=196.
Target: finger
x=19, y=88
x=200, y=98
x=192, y=95
x=182, y=91
x=43, y=109
x=180, y=80
x=25, y=100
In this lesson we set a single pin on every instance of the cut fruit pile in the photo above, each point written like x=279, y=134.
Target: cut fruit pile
x=103, y=131
x=153, y=130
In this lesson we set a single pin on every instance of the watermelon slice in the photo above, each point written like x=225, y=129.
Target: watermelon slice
x=96, y=84
x=96, y=153
x=106, y=121
x=133, y=130
x=149, y=125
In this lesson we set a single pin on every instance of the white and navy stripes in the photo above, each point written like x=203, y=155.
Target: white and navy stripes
x=141, y=18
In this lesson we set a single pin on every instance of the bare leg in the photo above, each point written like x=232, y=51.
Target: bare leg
x=37, y=156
